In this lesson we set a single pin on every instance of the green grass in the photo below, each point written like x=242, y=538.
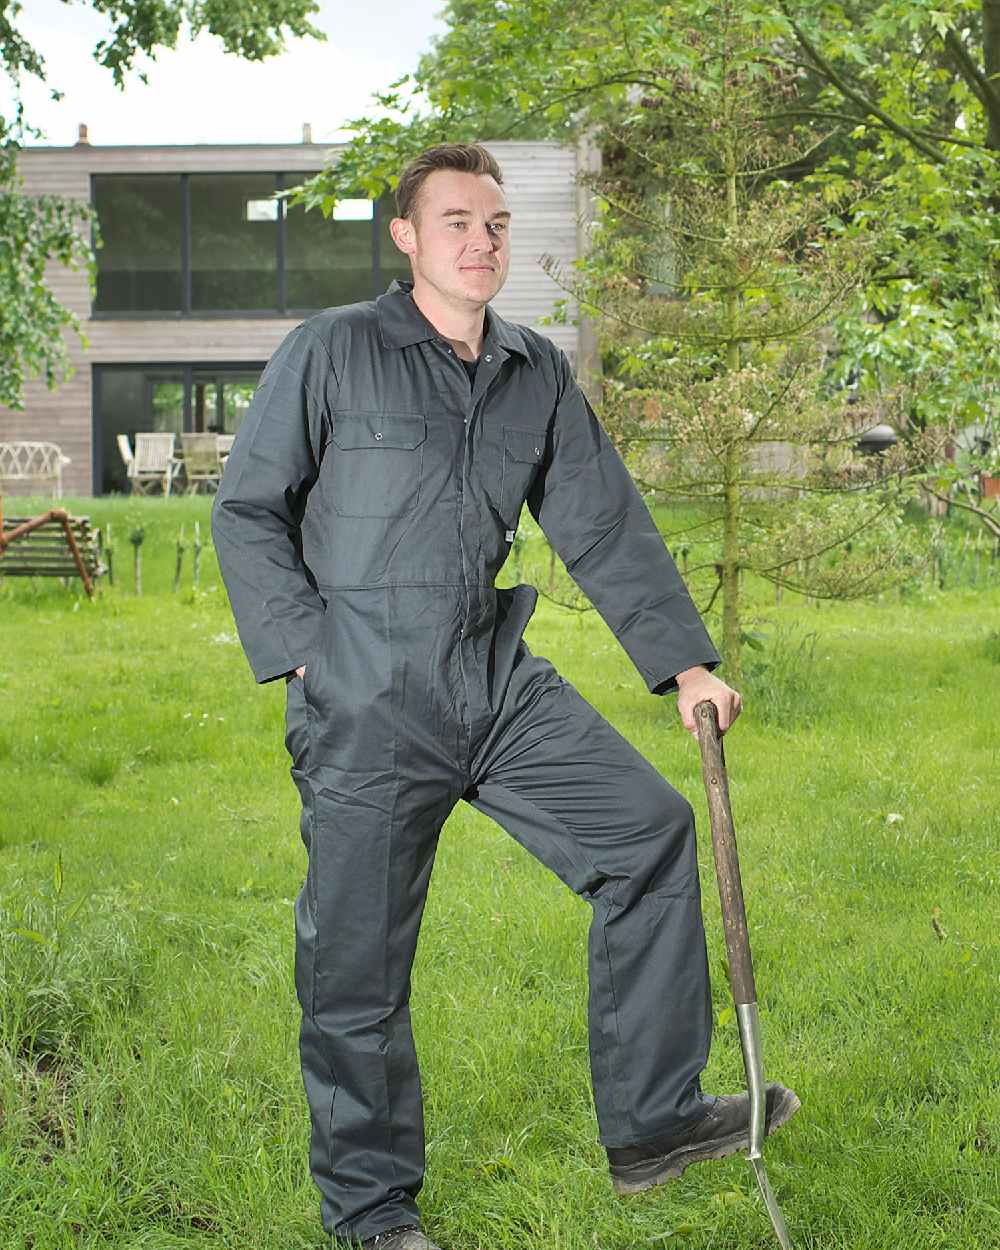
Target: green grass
x=149, y=854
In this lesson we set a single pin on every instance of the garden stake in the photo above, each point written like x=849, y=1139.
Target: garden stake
x=734, y=923
x=197, y=555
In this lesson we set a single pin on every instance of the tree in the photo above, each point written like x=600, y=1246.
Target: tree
x=713, y=279
x=913, y=93
x=900, y=98
x=33, y=232
x=711, y=276
x=504, y=68
x=37, y=230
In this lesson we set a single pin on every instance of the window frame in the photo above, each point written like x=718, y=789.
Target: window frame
x=281, y=309
x=186, y=368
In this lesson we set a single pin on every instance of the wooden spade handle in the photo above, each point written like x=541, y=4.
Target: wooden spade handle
x=727, y=862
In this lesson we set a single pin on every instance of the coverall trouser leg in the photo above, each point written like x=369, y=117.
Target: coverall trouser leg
x=581, y=798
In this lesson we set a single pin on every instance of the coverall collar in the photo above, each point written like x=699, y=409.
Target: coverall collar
x=401, y=323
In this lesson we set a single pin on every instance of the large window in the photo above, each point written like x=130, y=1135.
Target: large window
x=234, y=242
x=139, y=265
x=228, y=245
x=318, y=257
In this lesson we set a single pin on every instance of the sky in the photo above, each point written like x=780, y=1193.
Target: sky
x=198, y=94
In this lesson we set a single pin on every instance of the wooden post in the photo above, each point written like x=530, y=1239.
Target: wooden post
x=63, y=516
x=135, y=538
x=196, y=570
x=179, y=562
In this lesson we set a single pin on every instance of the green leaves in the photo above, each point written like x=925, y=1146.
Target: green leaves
x=932, y=297
x=34, y=230
x=530, y=69
x=37, y=230
x=252, y=29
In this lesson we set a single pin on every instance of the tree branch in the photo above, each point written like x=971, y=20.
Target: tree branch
x=992, y=525
x=819, y=551
x=560, y=98
x=715, y=594
x=856, y=591
x=869, y=107
x=853, y=120
x=978, y=83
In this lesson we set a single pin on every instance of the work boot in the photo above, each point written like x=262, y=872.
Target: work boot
x=407, y=1237
x=722, y=1130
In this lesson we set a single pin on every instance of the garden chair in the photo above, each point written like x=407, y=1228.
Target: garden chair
x=33, y=463
x=202, y=462
x=153, y=463
x=128, y=459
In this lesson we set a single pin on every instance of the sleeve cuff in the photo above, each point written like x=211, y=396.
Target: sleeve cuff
x=668, y=685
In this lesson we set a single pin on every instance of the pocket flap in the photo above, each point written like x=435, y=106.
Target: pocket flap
x=378, y=429
x=525, y=445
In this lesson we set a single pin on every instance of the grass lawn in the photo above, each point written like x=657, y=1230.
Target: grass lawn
x=149, y=855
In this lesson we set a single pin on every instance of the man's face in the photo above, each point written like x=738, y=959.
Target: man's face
x=459, y=244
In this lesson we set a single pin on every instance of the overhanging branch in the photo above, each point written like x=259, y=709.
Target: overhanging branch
x=978, y=83
x=857, y=98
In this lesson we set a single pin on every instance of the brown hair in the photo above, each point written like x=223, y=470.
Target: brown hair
x=467, y=158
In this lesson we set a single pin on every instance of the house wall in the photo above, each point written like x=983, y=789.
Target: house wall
x=539, y=180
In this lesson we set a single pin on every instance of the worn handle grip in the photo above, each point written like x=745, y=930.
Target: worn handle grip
x=727, y=863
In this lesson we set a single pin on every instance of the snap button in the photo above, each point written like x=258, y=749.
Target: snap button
x=488, y=359
x=538, y=451
x=379, y=436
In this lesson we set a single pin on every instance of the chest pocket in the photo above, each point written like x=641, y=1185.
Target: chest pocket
x=377, y=462
x=522, y=454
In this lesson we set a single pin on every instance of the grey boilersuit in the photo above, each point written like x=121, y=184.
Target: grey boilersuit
x=370, y=499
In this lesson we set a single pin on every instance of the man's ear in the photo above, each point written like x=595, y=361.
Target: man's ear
x=404, y=234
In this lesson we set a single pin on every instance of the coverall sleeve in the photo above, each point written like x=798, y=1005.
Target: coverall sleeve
x=594, y=516
x=258, y=510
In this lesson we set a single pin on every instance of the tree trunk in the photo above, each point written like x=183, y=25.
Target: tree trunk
x=991, y=62
x=731, y=567
x=731, y=631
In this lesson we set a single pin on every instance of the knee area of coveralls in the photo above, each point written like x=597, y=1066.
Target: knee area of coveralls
x=658, y=859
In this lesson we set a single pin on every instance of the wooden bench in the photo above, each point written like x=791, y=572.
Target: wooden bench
x=54, y=544
x=34, y=463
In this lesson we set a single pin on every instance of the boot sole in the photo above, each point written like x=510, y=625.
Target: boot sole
x=669, y=1167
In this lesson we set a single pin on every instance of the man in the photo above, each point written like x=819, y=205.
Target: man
x=369, y=501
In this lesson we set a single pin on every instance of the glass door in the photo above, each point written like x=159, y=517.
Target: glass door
x=220, y=398
x=164, y=398
x=165, y=402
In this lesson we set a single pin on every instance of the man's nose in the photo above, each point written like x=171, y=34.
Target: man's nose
x=482, y=239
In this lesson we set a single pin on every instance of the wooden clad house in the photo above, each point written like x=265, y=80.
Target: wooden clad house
x=202, y=272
